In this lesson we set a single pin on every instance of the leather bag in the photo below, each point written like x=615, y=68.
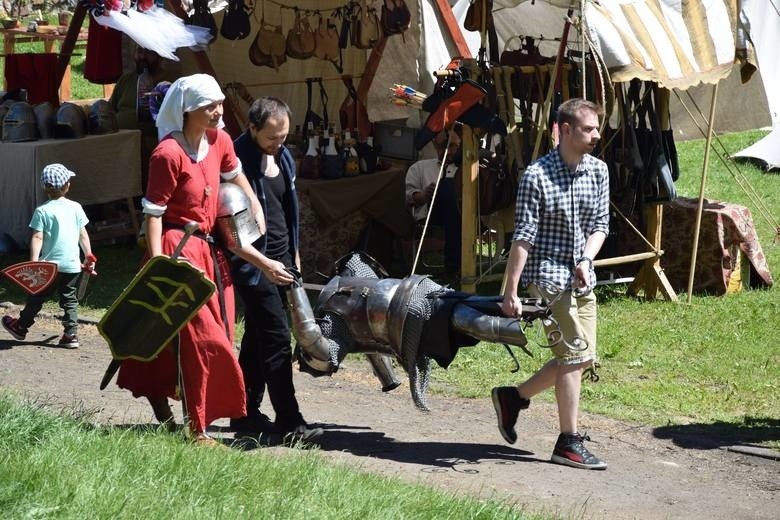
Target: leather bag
x=497, y=185
x=396, y=17
x=353, y=114
x=311, y=116
x=269, y=47
x=473, y=20
x=326, y=39
x=235, y=24
x=202, y=17
x=365, y=28
x=300, y=39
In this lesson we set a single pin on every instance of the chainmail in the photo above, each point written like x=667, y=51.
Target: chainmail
x=417, y=365
x=333, y=326
x=356, y=267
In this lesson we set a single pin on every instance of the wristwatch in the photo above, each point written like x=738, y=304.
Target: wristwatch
x=585, y=259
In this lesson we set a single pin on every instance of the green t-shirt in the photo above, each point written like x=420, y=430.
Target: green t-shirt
x=61, y=221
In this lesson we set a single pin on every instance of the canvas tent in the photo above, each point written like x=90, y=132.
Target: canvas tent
x=677, y=44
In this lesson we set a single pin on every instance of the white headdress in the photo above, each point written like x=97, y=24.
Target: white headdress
x=185, y=95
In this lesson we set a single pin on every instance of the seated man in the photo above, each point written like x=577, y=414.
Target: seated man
x=420, y=183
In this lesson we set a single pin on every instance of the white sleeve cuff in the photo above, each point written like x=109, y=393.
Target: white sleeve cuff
x=150, y=208
x=233, y=173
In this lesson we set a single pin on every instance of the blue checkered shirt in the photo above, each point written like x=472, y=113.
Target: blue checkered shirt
x=557, y=210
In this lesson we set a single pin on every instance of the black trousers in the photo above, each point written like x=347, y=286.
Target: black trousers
x=266, y=353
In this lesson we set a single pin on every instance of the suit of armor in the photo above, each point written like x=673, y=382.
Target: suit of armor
x=413, y=320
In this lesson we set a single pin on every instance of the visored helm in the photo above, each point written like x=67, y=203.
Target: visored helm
x=102, y=118
x=45, y=117
x=71, y=122
x=19, y=123
x=235, y=226
x=4, y=106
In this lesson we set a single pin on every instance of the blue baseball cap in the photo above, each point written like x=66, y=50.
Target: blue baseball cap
x=55, y=175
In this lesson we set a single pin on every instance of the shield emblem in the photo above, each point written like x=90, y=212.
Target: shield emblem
x=33, y=277
x=149, y=313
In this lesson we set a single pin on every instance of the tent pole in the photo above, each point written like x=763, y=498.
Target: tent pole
x=700, y=208
x=453, y=28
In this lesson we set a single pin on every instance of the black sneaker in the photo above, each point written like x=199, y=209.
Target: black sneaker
x=12, y=326
x=570, y=451
x=68, y=341
x=508, y=404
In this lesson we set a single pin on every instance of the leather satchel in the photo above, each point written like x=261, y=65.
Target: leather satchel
x=268, y=48
x=396, y=17
x=202, y=17
x=353, y=113
x=497, y=186
x=235, y=24
x=326, y=39
x=366, y=31
x=300, y=39
x=473, y=20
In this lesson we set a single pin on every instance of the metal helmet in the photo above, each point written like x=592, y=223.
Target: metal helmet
x=4, y=106
x=45, y=117
x=19, y=123
x=71, y=122
x=235, y=226
x=102, y=118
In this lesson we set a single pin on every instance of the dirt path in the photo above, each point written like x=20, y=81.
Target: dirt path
x=456, y=447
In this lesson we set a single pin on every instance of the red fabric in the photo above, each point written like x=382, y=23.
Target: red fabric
x=213, y=384
x=103, y=63
x=35, y=72
x=466, y=96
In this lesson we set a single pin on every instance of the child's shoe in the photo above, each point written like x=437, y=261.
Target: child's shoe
x=68, y=341
x=12, y=326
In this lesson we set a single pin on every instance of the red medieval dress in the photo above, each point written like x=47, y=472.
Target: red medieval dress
x=213, y=384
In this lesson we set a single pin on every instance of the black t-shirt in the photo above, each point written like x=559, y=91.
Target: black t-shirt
x=278, y=240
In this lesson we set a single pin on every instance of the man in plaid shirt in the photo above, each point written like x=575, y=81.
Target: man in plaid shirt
x=561, y=221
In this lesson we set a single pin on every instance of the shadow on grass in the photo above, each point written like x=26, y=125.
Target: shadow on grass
x=752, y=430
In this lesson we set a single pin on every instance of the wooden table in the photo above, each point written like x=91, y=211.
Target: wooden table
x=107, y=167
x=20, y=35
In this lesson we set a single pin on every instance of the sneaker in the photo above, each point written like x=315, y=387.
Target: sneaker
x=68, y=341
x=12, y=326
x=570, y=451
x=508, y=404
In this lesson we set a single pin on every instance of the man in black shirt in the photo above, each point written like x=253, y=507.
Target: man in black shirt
x=266, y=353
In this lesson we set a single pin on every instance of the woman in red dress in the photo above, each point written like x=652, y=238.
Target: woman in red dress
x=185, y=170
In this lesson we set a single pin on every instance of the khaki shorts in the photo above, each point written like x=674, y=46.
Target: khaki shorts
x=577, y=321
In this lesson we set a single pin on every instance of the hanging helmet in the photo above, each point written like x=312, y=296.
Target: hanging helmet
x=4, y=106
x=235, y=227
x=45, y=118
x=102, y=118
x=71, y=122
x=19, y=123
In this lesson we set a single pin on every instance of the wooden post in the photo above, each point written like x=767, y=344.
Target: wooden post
x=451, y=24
x=470, y=172
x=651, y=277
x=700, y=207
x=66, y=49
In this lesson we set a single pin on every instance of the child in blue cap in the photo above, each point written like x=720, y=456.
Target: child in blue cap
x=58, y=231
